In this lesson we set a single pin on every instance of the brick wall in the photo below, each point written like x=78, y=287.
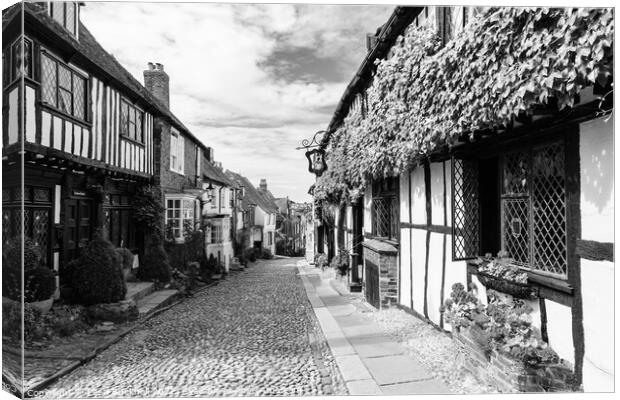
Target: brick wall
x=508, y=375
x=172, y=181
x=384, y=256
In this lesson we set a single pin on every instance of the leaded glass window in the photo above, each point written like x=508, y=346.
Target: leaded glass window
x=65, y=13
x=385, y=209
x=78, y=98
x=48, y=80
x=63, y=88
x=65, y=98
x=533, y=205
x=21, y=57
x=131, y=122
x=465, y=214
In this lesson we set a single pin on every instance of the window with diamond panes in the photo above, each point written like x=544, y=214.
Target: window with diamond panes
x=63, y=88
x=35, y=217
x=533, y=207
x=465, y=209
x=48, y=80
x=21, y=54
x=131, y=122
x=65, y=13
x=385, y=209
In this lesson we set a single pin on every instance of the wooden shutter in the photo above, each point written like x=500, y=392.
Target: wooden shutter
x=465, y=209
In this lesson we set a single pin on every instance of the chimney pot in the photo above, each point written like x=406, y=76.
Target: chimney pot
x=157, y=82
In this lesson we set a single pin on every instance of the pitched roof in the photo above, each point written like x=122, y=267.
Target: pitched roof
x=401, y=17
x=252, y=196
x=97, y=58
x=217, y=175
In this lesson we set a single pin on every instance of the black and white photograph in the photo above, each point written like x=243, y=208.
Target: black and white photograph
x=219, y=199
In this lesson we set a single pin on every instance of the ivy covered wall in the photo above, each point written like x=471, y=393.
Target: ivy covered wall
x=505, y=63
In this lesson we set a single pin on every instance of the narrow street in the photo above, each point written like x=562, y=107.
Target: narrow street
x=253, y=334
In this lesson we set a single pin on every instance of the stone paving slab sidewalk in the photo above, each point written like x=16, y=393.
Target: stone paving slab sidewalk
x=42, y=367
x=370, y=361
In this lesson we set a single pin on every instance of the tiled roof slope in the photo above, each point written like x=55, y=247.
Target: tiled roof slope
x=252, y=196
x=90, y=49
x=217, y=175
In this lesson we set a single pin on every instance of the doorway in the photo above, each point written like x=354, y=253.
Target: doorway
x=79, y=225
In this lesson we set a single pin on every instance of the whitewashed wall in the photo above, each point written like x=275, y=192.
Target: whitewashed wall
x=102, y=142
x=597, y=277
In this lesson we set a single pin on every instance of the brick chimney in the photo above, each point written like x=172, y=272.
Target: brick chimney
x=263, y=185
x=157, y=82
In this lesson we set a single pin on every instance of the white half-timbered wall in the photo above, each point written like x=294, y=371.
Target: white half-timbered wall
x=101, y=141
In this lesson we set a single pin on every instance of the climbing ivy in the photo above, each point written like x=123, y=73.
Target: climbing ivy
x=504, y=64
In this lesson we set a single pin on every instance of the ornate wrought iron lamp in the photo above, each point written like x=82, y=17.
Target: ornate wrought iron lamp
x=315, y=153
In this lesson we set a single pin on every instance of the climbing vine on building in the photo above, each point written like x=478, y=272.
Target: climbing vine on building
x=423, y=97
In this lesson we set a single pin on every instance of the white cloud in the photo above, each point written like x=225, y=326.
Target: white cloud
x=220, y=90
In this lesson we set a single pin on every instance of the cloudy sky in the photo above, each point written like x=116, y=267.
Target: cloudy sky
x=250, y=80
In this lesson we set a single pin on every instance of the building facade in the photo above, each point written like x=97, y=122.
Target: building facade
x=218, y=213
x=258, y=215
x=523, y=189
x=86, y=129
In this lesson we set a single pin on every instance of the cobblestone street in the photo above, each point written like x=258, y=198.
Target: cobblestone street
x=253, y=334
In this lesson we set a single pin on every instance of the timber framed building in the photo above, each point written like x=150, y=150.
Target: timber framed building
x=539, y=189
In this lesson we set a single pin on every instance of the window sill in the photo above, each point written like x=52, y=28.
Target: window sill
x=127, y=138
x=555, y=289
x=62, y=114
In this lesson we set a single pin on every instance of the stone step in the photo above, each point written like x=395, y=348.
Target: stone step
x=156, y=300
x=139, y=290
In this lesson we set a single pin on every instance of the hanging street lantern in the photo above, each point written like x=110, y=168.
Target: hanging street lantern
x=315, y=153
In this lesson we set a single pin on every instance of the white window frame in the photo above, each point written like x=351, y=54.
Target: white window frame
x=186, y=212
x=177, y=152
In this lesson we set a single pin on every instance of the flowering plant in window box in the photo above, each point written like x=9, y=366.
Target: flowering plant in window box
x=502, y=275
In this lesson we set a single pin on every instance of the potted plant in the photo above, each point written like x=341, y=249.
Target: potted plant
x=502, y=275
x=320, y=260
x=340, y=263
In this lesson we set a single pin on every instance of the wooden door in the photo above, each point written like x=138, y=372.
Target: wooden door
x=78, y=226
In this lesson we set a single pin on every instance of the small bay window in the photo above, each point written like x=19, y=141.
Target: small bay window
x=179, y=211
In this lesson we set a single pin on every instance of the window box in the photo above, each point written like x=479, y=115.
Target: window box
x=515, y=289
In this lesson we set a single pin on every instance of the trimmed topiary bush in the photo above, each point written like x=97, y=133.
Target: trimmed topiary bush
x=40, y=281
x=126, y=257
x=250, y=254
x=40, y=284
x=155, y=267
x=96, y=276
x=266, y=254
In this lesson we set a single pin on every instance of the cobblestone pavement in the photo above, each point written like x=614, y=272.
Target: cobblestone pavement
x=254, y=334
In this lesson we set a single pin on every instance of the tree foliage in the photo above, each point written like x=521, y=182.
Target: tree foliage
x=423, y=97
